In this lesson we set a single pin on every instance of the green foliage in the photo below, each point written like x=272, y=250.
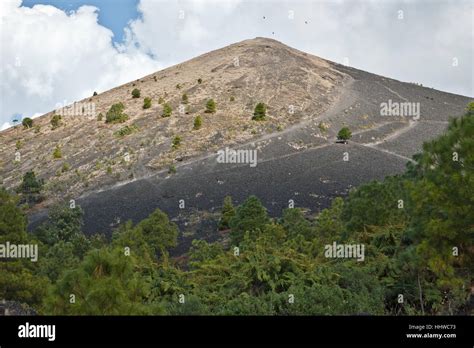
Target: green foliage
x=106, y=282
x=57, y=152
x=161, y=100
x=18, y=281
x=126, y=130
x=167, y=110
x=27, y=123
x=470, y=109
x=228, y=212
x=55, y=121
x=376, y=203
x=58, y=258
x=12, y=219
x=65, y=167
x=147, y=103
x=210, y=106
x=197, y=122
x=344, y=134
x=116, y=114
x=172, y=169
x=442, y=214
x=329, y=224
x=259, y=112
x=176, y=142
x=294, y=223
x=232, y=98
x=251, y=217
x=136, y=93
x=63, y=224
x=160, y=233
x=30, y=186
x=199, y=80
x=100, y=117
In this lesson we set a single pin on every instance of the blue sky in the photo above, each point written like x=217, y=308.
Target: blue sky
x=114, y=14
x=62, y=52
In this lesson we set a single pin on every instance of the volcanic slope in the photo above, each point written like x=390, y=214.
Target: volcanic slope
x=309, y=99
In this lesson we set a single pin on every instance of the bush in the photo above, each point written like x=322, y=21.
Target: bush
x=27, y=122
x=176, y=142
x=251, y=217
x=344, y=134
x=127, y=130
x=95, y=93
x=199, y=80
x=100, y=116
x=166, y=110
x=197, y=122
x=65, y=167
x=147, y=103
x=161, y=100
x=178, y=86
x=55, y=121
x=210, y=106
x=172, y=169
x=232, y=98
x=57, y=152
x=185, y=98
x=136, y=93
x=228, y=212
x=29, y=184
x=259, y=112
x=115, y=114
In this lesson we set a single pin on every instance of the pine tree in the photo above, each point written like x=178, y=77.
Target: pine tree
x=251, y=217
x=228, y=212
x=259, y=112
x=344, y=134
x=57, y=152
x=197, y=122
x=166, y=110
x=147, y=103
x=136, y=93
x=210, y=106
x=27, y=122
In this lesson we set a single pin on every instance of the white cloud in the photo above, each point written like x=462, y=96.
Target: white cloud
x=5, y=126
x=49, y=56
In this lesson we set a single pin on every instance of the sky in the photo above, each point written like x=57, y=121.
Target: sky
x=54, y=52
